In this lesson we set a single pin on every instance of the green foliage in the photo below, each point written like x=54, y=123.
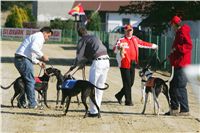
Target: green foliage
x=62, y=24
x=159, y=13
x=94, y=23
x=17, y=17
x=7, y=5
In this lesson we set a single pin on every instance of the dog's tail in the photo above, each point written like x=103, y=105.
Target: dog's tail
x=107, y=86
x=5, y=88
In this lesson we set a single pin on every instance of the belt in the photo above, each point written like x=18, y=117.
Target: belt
x=21, y=57
x=102, y=58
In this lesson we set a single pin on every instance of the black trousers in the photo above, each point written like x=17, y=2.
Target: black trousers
x=178, y=91
x=128, y=76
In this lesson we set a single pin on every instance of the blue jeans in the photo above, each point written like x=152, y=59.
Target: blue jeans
x=25, y=68
x=178, y=91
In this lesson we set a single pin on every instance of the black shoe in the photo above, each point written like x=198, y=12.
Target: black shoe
x=118, y=99
x=92, y=115
x=167, y=113
x=21, y=105
x=128, y=104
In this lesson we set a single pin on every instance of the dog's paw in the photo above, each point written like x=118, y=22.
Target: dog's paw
x=64, y=114
x=142, y=112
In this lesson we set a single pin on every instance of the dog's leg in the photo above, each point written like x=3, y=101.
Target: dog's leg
x=45, y=97
x=62, y=101
x=166, y=93
x=155, y=102
x=19, y=97
x=67, y=104
x=40, y=94
x=58, y=94
x=12, y=99
x=83, y=98
x=143, y=88
x=145, y=103
x=92, y=97
x=149, y=100
x=78, y=100
x=38, y=99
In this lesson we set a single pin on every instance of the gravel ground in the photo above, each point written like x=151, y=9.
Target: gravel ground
x=115, y=118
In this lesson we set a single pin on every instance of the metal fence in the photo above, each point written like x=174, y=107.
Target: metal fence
x=109, y=39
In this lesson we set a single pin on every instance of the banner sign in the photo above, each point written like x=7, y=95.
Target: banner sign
x=23, y=32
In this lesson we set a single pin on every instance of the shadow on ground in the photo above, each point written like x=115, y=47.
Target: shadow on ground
x=56, y=61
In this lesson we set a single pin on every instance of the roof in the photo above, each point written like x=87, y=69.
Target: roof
x=111, y=5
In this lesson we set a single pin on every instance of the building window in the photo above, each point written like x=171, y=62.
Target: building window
x=125, y=21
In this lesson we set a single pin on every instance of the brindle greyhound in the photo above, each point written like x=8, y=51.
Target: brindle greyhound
x=19, y=87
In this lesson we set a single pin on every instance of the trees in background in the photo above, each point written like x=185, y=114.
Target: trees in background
x=21, y=14
x=62, y=24
x=17, y=17
x=159, y=13
x=7, y=5
x=94, y=22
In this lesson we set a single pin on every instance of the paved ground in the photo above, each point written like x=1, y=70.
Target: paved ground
x=115, y=118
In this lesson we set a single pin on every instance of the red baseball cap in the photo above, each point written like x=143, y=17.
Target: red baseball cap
x=128, y=27
x=175, y=20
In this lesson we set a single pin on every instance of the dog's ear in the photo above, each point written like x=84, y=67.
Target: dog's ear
x=58, y=71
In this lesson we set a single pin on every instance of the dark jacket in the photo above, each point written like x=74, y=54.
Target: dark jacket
x=183, y=48
x=89, y=48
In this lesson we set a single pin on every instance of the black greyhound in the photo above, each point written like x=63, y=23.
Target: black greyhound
x=60, y=79
x=19, y=87
x=86, y=89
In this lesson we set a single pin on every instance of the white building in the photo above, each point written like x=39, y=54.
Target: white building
x=111, y=18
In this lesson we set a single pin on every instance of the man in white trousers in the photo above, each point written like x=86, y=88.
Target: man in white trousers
x=91, y=49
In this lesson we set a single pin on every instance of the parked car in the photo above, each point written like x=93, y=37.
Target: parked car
x=136, y=32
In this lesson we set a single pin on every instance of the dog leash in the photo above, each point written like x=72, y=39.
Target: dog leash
x=40, y=71
x=150, y=60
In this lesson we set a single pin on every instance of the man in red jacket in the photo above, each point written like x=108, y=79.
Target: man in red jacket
x=180, y=57
x=127, y=53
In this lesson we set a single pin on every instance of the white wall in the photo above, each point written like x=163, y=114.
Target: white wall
x=115, y=19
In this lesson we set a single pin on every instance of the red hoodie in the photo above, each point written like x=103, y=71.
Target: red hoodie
x=181, y=57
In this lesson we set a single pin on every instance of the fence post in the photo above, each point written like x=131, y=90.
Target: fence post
x=150, y=38
x=165, y=51
x=196, y=50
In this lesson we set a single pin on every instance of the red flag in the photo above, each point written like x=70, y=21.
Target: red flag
x=77, y=10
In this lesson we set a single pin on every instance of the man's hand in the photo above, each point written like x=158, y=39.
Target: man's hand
x=81, y=66
x=42, y=64
x=154, y=46
x=72, y=67
x=172, y=50
x=45, y=58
